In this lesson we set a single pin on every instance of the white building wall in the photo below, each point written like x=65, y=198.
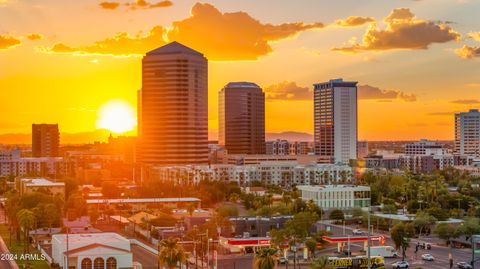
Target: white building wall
x=345, y=124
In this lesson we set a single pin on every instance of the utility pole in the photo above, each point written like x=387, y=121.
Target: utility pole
x=369, y=265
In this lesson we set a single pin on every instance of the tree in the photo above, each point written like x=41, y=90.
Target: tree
x=26, y=219
x=110, y=190
x=228, y=211
x=311, y=245
x=423, y=221
x=401, y=234
x=321, y=263
x=446, y=232
x=265, y=258
x=171, y=253
x=389, y=209
x=337, y=214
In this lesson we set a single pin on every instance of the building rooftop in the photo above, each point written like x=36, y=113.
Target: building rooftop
x=142, y=200
x=40, y=182
x=339, y=82
x=174, y=48
x=241, y=84
x=332, y=187
x=90, y=238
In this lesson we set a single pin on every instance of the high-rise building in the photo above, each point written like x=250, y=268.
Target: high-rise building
x=45, y=140
x=335, y=114
x=242, y=118
x=467, y=133
x=173, y=107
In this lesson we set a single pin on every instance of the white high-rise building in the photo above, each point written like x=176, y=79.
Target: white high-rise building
x=335, y=113
x=467, y=133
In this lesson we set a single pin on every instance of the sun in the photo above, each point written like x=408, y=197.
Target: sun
x=117, y=116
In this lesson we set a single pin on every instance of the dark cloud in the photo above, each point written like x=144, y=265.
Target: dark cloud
x=34, y=36
x=354, y=21
x=371, y=92
x=403, y=31
x=466, y=102
x=288, y=90
x=220, y=36
x=7, y=42
x=142, y=4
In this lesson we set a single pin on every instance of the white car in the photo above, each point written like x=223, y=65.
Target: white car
x=427, y=257
x=400, y=264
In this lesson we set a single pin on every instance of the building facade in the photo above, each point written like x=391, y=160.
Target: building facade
x=335, y=115
x=337, y=196
x=424, y=147
x=173, y=107
x=45, y=140
x=13, y=165
x=284, y=174
x=467, y=133
x=29, y=185
x=284, y=147
x=241, y=108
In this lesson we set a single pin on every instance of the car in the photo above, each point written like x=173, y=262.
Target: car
x=282, y=260
x=427, y=257
x=464, y=265
x=400, y=264
x=358, y=232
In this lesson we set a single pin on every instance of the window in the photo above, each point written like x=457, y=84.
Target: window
x=111, y=263
x=98, y=263
x=86, y=263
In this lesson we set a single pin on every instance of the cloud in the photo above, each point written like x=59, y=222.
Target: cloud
x=122, y=44
x=474, y=36
x=370, y=92
x=288, y=90
x=220, y=36
x=138, y=4
x=467, y=52
x=403, y=31
x=7, y=42
x=109, y=5
x=354, y=21
x=35, y=36
x=466, y=102
x=232, y=36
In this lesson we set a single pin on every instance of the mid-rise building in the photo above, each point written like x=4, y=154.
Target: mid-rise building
x=285, y=174
x=284, y=147
x=45, y=140
x=335, y=115
x=337, y=196
x=242, y=118
x=467, y=133
x=424, y=147
x=13, y=165
x=173, y=107
x=362, y=149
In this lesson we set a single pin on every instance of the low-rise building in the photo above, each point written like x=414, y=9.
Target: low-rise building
x=97, y=250
x=336, y=196
x=28, y=185
x=137, y=204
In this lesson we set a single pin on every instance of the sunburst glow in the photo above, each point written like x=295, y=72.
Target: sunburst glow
x=117, y=116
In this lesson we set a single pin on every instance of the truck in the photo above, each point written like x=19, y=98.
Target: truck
x=384, y=251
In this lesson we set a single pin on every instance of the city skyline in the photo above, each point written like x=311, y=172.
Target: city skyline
x=412, y=86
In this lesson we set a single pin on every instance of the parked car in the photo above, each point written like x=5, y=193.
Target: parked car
x=427, y=257
x=358, y=232
x=282, y=260
x=464, y=265
x=400, y=264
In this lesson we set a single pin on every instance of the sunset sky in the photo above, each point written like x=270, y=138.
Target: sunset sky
x=417, y=62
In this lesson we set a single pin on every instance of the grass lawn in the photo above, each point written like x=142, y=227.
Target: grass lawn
x=17, y=248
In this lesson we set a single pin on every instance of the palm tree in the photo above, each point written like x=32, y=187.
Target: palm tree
x=26, y=219
x=265, y=258
x=321, y=263
x=171, y=253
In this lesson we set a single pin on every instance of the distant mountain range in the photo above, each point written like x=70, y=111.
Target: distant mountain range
x=102, y=136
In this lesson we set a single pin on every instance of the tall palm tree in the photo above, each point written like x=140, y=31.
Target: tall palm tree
x=26, y=219
x=265, y=258
x=321, y=263
x=171, y=253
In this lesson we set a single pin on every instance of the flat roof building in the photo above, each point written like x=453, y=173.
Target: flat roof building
x=45, y=140
x=28, y=185
x=336, y=196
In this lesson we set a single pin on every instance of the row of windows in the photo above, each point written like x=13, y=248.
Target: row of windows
x=99, y=263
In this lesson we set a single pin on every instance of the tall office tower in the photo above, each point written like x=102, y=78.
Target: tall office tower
x=335, y=114
x=45, y=140
x=242, y=118
x=467, y=133
x=173, y=107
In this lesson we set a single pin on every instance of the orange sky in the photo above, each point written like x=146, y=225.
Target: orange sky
x=418, y=63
